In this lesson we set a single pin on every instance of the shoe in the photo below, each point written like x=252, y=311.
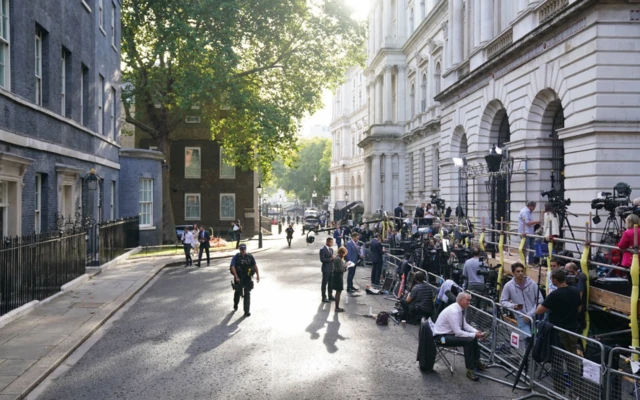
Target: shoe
x=331, y=298
x=472, y=375
x=326, y=301
x=349, y=290
x=235, y=307
x=355, y=289
x=339, y=309
x=198, y=265
x=247, y=314
x=481, y=367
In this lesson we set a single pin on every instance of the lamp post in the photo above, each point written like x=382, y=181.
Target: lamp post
x=313, y=196
x=259, y=189
x=346, y=197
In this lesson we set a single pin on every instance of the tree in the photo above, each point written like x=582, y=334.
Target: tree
x=313, y=159
x=256, y=67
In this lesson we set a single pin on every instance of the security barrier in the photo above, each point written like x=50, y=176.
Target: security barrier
x=622, y=383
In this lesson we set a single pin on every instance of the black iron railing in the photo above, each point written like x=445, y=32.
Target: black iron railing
x=35, y=267
x=109, y=240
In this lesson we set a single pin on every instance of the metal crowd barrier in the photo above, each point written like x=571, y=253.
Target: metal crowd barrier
x=622, y=383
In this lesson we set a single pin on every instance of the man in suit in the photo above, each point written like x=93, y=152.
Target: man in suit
x=326, y=258
x=353, y=254
x=203, y=238
x=419, y=215
x=376, y=259
x=399, y=214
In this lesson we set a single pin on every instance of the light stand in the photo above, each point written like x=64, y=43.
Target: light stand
x=259, y=189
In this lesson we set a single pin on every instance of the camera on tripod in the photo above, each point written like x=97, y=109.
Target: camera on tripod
x=615, y=202
x=437, y=201
x=559, y=204
x=624, y=211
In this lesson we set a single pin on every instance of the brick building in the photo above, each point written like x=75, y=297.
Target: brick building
x=59, y=118
x=204, y=189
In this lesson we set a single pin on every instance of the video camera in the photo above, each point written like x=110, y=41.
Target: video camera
x=618, y=198
x=437, y=201
x=556, y=200
x=625, y=211
x=490, y=274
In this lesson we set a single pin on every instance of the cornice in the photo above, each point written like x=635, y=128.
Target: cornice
x=422, y=29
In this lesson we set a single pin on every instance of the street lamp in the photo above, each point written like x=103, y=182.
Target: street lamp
x=92, y=180
x=259, y=189
x=346, y=197
x=313, y=195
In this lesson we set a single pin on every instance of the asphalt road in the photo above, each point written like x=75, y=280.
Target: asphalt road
x=182, y=340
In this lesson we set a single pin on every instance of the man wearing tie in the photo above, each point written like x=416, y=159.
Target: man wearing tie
x=376, y=259
x=353, y=254
x=326, y=258
x=203, y=238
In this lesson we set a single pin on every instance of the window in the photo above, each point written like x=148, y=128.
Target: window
x=38, y=213
x=192, y=162
x=63, y=85
x=146, y=202
x=112, y=203
x=190, y=119
x=423, y=105
x=227, y=206
x=412, y=97
x=435, y=171
x=4, y=44
x=101, y=14
x=227, y=171
x=192, y=206
x=114, y=120
x=113, y=25
x=38, y=66
x=100, y=104
x=411, y=21
x=84, y=95
x=436, y=78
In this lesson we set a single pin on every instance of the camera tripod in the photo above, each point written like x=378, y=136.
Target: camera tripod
x=565, y=220
x=611, y=232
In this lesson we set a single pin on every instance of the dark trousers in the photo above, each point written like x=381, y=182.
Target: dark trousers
x=566, y=363
x=202, y=248
x=238, y=235
x=470, y=345
x=412, y=313
x=530, y=244
x=376, y=270
x=351, y=273
x=326, y=284
x=289, y=240
x=243, y=289
x=477, y=288
x=187, y=253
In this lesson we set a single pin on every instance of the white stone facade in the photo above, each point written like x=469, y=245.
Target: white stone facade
x=555, y=82
x=349, y=121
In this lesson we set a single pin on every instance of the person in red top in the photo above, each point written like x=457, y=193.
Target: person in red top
x=627, y=239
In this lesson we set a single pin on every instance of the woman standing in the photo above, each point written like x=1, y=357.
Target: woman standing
x=339, y=269
x=625, y=242
x=551, y=223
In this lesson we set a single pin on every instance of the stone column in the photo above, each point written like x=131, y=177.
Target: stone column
x=486, y=21
x=378, y=27
x=431, y=87
x=387, y=99
x=367, y=186
x=370, y=102
x=388, y=183
x=401, y=22
x=401, y=96
x=476, y=22
x=372, y=35
x=448, y=36
x=457, y=40
x=379, y=100
x=387, y=21
x=402, y=189
x=376, y=199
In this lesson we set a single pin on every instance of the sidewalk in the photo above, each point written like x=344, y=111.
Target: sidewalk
x=33, y=346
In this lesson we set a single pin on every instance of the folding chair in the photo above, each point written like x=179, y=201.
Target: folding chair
x=441, y=354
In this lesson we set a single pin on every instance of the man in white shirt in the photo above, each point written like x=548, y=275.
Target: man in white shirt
x=188, y=243
x=452, y=330
x=526, y=225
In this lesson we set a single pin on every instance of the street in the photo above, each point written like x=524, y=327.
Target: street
x=182, y=340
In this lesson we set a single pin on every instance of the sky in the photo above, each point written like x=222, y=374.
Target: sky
x=323, y=116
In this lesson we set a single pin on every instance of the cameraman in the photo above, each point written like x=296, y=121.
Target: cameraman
x=521, y=294
x=419, y=303
x=526, y=225
x=578, y=280
x=474, y=282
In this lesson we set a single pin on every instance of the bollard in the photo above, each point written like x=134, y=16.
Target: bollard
x=584, y=266
x=501, y=269
x=635, y=266
x=523, y=241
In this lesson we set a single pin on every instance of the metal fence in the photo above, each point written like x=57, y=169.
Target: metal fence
x=35, y=267
x=109, y=240
x=622, y=382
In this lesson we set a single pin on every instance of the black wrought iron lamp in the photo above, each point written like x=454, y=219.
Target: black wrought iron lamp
x=92, y=179
x=259, y=189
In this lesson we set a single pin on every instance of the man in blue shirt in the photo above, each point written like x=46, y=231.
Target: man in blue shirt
x=353, y=254
x=526, y=225
x=337, y=235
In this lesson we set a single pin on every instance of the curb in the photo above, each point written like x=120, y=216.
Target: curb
x=51, y=366
x=221, y=257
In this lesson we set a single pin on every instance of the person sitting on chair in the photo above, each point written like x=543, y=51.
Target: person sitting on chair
x=452, y=330
x=419, y=303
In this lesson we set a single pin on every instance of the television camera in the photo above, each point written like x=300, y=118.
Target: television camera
x=610, y=201
x=438, y=202
x=557, y=201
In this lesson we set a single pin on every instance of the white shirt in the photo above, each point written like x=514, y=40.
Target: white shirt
x=236, y=228
x=450, y=321
x=551, y=225
x=524, y=218
x=187, y=238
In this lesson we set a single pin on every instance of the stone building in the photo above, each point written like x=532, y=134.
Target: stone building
x=349, y=121
x=552, y=82
x=59, y=96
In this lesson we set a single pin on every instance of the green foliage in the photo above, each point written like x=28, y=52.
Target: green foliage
x=313, y=159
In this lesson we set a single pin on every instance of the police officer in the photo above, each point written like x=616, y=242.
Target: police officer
x=243, y=266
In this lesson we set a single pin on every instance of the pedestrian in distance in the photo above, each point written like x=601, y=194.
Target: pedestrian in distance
x=526, y=225
x=326, y=258
x=237, y=232
x=337, y=278
x=376, y=259
x=188, y=243
x=243, y=267
x=353, y=256
x=474, y=282
x=337, y=235
x=289, y=231
x=203, y=238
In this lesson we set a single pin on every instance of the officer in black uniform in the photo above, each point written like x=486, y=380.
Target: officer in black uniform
x=243, y=266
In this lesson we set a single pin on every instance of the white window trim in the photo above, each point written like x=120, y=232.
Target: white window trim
x=63, y=88
x=112, y=209
x=38, y=64
x=82, y=75
x=153, y=148
x=84, y=3
x=146, y=202
x=113, y=26
x=113, y=122
x=38, y=208
x=234, y=207
x=6, y=47
x=187, y=218
x=226, y=176
x=100, y=104
x=185, y=166
x=101, y=16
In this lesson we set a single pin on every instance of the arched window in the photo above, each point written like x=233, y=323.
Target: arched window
x=557, y=149
x=436, y=77
x=413, y=99
x=504, y=133
x=424, y=92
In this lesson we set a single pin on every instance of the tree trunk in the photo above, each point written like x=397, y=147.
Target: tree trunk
x=168, y=221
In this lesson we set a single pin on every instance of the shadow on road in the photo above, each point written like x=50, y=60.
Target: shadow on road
x=213, y=338
x=319, y=320
x=332, y=335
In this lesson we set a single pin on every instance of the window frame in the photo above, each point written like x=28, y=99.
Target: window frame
x=101, y=16
x=223, y=218
x=199, y=163
x=112, y=201
x=83, y=72
x=113, y=26
x=225, y=176
x=186, y=214
x=37, y=211
x=100, y=102
x=63, y=85
x=112, y=114
x=150, y=203
x=5, y=44
x=38, y=65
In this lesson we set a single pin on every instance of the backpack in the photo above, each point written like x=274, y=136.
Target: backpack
x=382, y=318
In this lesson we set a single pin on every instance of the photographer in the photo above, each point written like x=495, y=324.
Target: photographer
x=419, y=303
x=398, y=214
x=526, y=225
x=521, y=294
x=419, y=215
x=474, y=282
x=578, y=280
x=627, y=239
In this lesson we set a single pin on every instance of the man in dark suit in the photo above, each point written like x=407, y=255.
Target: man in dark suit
x=399, y=214
x=376, y=259
x=419, y=215
x=203, y=238
x=353, y=255
x=326, y=258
